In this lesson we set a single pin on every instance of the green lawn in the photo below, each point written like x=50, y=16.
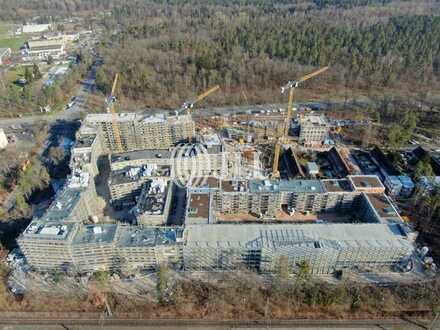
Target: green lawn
x=14, y=43
x=8, y=41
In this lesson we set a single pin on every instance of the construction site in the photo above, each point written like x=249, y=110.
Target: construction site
x=216, y=193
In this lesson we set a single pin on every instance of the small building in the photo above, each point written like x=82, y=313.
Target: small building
x=3, y=139
x=35, y=28
x=5, y=54
x=312, y=168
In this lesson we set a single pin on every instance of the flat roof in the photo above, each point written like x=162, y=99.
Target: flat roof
x=136, y=116
x=134, y=236
x=365, y=181
x=63, y=205
x=196, y=149
x=314, y=235
x=122, y=176
x=49, y=47
x=141, y=154
x=49, y=231
x=316, y=120
x=84, y=141
x=382, y=205
x=234, y=185
x=337, y=185
x=89, y=234
x=153, y=197
x=205, y=182
x=198, y=205
x=294, y=186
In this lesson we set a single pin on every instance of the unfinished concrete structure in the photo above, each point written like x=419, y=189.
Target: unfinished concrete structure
x=140, y=131
x=64, y=238
x=154, y=202
x=313, y=130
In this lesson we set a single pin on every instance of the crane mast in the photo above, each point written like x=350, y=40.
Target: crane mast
x=290, y=86
x=111, y=109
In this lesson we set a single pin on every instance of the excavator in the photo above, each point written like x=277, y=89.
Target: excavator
x=290, y=86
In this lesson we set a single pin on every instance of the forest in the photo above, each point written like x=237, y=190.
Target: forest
x=166, y=54
x=167, y=51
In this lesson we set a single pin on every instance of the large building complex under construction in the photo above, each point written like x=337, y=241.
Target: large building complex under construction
x=138, y=132
x=70, y=236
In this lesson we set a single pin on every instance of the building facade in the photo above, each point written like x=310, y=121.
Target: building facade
x=43, y=49
x=313, y=130
x=138, y=132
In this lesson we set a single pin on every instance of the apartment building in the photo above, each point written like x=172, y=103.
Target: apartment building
x=326, y=248
x=267, y=198
x=80, y=248
x=138, y=132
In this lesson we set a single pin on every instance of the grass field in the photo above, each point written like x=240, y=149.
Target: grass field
x=8, y=41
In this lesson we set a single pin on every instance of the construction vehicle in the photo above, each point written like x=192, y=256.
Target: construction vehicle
x=290, y=86
x=189, y=105
x=111, y=100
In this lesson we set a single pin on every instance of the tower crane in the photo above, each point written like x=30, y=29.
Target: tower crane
x=188, y=105
x=290, y=86
x=111, y=100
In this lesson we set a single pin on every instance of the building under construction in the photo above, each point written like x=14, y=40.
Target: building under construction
x=140, y=131
x=267, y=198
x=67, y=237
